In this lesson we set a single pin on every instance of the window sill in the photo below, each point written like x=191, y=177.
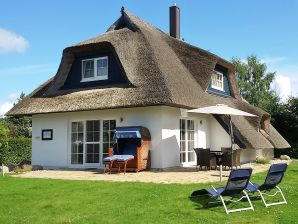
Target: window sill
x=217, y=88
x=95, y=79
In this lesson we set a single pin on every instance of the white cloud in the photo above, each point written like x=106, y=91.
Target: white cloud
x=12, y=97
x=272, y=60
x=12, y=43
x=282, y=85
x=5, y=107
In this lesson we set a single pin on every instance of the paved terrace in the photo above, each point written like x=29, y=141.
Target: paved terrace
x=169, y=176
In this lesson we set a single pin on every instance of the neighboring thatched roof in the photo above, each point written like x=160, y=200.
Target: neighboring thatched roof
x=160, y=70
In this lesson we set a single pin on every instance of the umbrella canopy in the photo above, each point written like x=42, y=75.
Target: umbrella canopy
x=224, y=110
x=221, y=109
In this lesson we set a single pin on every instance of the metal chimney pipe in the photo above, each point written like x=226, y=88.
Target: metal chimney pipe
x=175, y=21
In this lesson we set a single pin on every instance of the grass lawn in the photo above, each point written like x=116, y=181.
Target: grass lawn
x=71, y=201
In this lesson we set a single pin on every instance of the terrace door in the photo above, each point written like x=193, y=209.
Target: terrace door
x=187, y=142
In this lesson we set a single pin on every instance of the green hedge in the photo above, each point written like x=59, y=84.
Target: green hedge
x=15, y=151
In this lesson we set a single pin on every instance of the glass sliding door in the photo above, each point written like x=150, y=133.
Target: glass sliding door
x=77, y=142
x=187, y=141
x=92, y=145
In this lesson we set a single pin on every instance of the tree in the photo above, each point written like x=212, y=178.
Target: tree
x=3, y=130
x=254, y=82
x=19, y=127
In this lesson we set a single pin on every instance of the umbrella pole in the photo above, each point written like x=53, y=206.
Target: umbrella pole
x=232, y=139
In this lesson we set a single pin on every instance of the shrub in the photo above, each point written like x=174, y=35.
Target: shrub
x=262, y=160
x=23, y=169
x=15, y=151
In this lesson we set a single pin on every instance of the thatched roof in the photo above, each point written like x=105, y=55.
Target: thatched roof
x=160, y=70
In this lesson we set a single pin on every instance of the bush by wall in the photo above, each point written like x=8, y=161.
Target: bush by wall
x=15, y=151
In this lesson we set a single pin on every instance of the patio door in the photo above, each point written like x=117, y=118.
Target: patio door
x=90, y=141
x=187, y=141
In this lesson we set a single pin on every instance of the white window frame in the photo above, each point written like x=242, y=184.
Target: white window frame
x=187, y=150
x=95, y=77
x=88, y=165
x=213, y=86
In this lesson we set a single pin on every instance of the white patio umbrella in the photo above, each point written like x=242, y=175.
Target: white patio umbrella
x=223, y=110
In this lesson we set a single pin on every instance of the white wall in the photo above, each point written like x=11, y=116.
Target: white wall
x=162, y=122
x=56, y=153
x=218, y=136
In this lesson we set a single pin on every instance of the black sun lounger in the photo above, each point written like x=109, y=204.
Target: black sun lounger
x=274, y=177
x=236, y=185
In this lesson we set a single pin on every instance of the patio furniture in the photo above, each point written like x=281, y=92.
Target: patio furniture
x=227, y=158
x=119, y=160
x=135, y=142
x=236, y=185
x=205, y=158
x=274, y=177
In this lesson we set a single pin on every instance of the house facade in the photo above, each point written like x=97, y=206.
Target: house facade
x=136, y=75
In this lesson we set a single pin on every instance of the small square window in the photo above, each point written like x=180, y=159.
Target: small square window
x=217, y=81
x=95, y=69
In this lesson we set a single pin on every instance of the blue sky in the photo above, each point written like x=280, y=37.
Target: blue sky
x=34, y=33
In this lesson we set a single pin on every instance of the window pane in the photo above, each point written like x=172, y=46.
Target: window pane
x=74, y=148
x=74, y=137
x=182, y=126
x=106, y=125
x=96, y=148
x=96, y=136
x=95, y=158
x=74, y=158
x=106, y=148
x=182, y=135
x=113, y=125
x=80, y=158
x=96, y=125
x=112, y=133
x=89, y=148
x=106, y=136
x=182, y=157
x=88, y=69
x=191, y=156
x=80, y=127
x=102, y=67
x=182, y=146
x=89, y=125
x=89, y=158
x=89, y=136
x=74, y=127
x=80, y=148
x=81, y=137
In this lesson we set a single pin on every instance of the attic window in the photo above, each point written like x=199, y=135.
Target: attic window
x=95, y=69
x=217, y=81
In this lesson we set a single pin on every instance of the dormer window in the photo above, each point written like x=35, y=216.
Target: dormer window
x=217, y=81
x=95, y=69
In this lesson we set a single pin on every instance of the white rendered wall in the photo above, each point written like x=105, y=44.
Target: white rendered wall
x=218, y=136
x=56, y=153
x=162, y=122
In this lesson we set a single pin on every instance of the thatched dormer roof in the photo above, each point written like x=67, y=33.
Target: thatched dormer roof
x=160, y=70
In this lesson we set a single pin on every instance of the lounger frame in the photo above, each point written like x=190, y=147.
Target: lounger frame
x=262, y=194
x=223, y=201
